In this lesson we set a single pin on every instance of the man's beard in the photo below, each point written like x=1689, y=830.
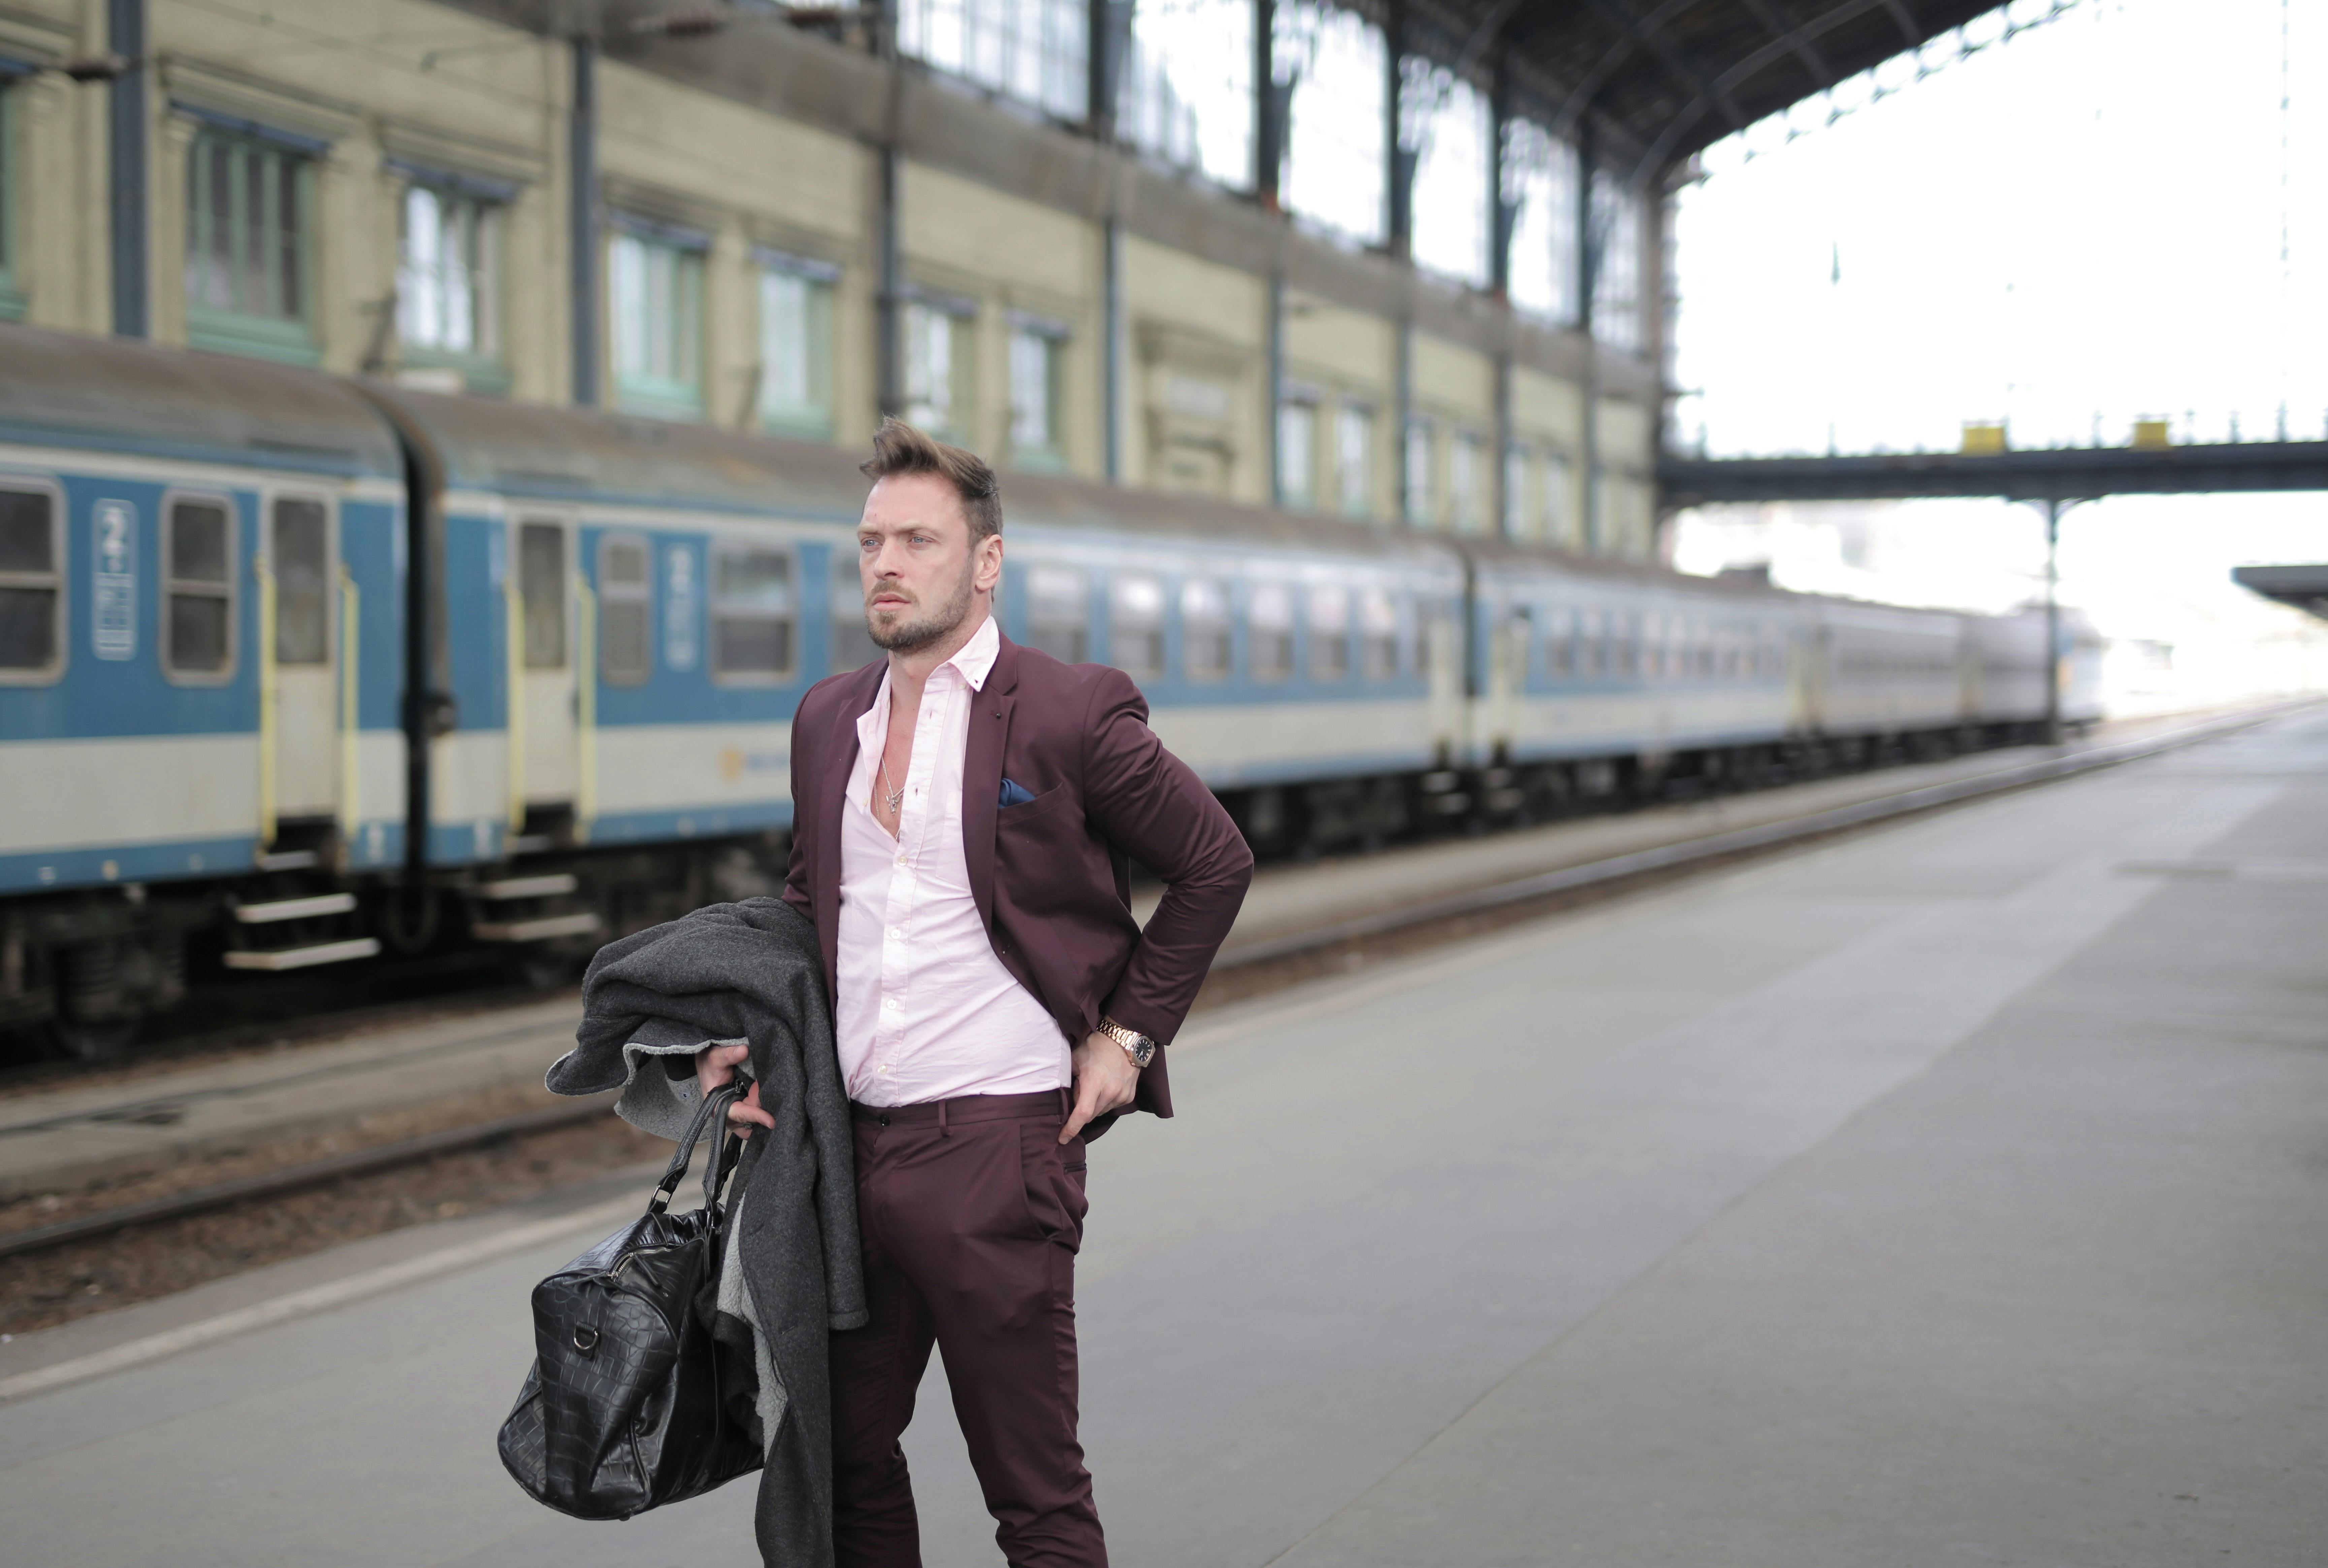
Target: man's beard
x=913, y=633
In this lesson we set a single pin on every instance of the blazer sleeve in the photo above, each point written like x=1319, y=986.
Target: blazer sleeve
x=1151, y=805
x=797, y=876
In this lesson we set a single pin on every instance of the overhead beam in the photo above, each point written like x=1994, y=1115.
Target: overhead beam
x=1650, y=30
x=2061, y=474
x=1787, y=31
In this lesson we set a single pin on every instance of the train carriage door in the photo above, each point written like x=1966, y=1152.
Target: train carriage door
x=1507, y=669
x=542, y=666
x=299, y=580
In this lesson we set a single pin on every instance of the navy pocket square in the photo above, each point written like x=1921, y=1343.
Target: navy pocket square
x=1014, y=795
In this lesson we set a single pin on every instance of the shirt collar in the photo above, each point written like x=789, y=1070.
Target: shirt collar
x=975, y=659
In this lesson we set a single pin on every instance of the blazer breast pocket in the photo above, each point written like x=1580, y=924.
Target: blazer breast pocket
x=1033, y=806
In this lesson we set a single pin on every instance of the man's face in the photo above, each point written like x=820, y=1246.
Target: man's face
x=920, y=572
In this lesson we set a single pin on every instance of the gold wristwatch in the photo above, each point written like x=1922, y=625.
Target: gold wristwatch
x=1137, y=1046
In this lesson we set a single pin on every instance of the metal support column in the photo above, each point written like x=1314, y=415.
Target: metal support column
x=1274, y=437
x=582, y=218
x=126, y=173
x=890, y=283
x=1111, y=350
x=1501, y=213
x=1588, y=279
x=1268, y=147
x=2052, y=621
x=1398, y=233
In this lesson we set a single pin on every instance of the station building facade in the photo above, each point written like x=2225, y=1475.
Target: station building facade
x=764, y=227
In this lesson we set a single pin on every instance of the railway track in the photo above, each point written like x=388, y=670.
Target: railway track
x=1248, y=968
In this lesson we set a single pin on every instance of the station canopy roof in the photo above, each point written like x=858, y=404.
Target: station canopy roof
x=2305, y=587
x=1669, y=77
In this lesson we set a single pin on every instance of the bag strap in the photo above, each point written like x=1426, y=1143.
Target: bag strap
x=712, y=1112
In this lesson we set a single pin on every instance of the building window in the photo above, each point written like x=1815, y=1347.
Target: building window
x=541, y=585
x=751, y=614
x=1269, y=632
x=1204, y=630
x=796, y=350
x=299, y=550
x=937, y=366
x=1037, y=363
x=853, y=646
x=1555, y=514
x=1330, y=633
x=1135, y=626
x=198, y=591
x=247, y=264
x=1029, y=50
x=1354, y=459
x=1515, y=520
x=1416, y=503
x=1058, y=618
x=626, y=612
x=1297, y=454
x=1466, y=466
x=31, y=585
x=448, y=285
x=655, y=287
x=12, y=296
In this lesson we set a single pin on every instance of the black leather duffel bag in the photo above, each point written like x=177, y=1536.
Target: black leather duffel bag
x=622, y=1411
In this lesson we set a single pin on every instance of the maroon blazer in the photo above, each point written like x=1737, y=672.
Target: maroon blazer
x=1050, y=875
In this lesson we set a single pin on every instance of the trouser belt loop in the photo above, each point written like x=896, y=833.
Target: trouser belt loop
x=942, y=1130
x=1066, y=1103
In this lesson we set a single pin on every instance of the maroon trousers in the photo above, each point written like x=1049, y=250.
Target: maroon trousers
x=971, y=1211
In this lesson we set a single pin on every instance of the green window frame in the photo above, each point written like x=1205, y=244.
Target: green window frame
x=654, y=286
x=796, y=345
x=450, y=243
x=939, y=377
x=1037, y=394
x=12, y=293
x=249, y=267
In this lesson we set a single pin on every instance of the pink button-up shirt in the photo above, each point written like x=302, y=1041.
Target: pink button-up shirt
x=926, y=1011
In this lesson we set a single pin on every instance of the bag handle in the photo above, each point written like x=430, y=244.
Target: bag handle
x=713, y=1109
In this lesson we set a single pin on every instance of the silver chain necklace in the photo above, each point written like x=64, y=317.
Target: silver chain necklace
x=890, y=797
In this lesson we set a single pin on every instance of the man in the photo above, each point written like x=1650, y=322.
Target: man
x=963, y=814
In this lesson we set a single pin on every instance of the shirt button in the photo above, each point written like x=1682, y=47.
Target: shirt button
x=901, y=863
x=898, y=933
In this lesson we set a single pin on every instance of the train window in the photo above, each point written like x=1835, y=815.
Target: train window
x=1330, y=633
x=1593, y=653
x=1519, y=644
x=1377, y=635
x=1653, y=646
x=626, y=612
x=1426, y=621
x=1058, y=614
x=198, y=572
x=1269, y=620
x=1135, y=626
x=1559, y=643
x=751, y=611
x=1204, y=631
x=541, y=582
x=32, y=585
x=299, y=544
x=1620, y=645
x=853, y=646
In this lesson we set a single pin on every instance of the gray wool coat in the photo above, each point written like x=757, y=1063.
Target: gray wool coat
x=750, y=971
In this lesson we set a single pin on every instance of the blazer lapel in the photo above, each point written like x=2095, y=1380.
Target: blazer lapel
x=981, y=774
x=832, y=796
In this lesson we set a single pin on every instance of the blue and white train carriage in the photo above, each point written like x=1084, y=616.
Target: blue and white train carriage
x=302, y=670
x=200, y=658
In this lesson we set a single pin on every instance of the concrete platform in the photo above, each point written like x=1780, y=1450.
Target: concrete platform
x=1951, y=1194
